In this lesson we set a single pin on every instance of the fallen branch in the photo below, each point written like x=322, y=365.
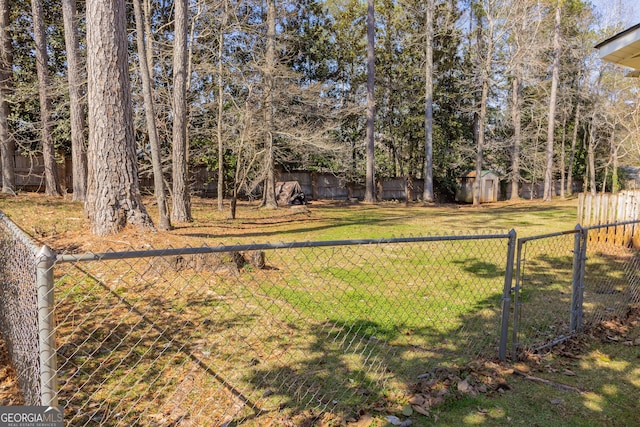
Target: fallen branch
x=559, y=386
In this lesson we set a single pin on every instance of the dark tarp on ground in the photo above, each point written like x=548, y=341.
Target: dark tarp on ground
x=289, y=193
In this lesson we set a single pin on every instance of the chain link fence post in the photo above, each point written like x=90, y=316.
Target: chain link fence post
x=516, y=300
x=46, y=324
x=577, y=252
x=506, y=296
x=581, y=283
x=577, y=288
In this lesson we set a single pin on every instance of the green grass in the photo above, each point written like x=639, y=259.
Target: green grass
x=344, y=329
x=62, y=224
x=608, y=375
x=360, y=313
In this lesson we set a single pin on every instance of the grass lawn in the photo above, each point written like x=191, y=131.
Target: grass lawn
x=61, y=224
x=351, y=332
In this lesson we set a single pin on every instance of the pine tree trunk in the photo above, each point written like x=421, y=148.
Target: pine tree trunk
x=427, y=195
x=113, y=195
x=236, y=185
x=52, y=182
x=76, y=102
x=370, y=184
x=150, y=116
x=563, y=158
x=477, y=183
x=220, y=113
x=148, y=31
x=181, y=199
x=572, y=154
x=233, y=204
x=269, y=195
x=7, y=144
x=517, y=136
x=548, y=175
x=613, y=148
x=485, y=69
x=591, y=158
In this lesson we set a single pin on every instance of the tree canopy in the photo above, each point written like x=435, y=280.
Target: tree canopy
x=515, y=87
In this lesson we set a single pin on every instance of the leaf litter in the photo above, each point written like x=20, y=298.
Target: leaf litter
x=9, y=390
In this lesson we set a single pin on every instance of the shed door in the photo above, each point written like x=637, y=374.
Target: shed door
x=489, y=190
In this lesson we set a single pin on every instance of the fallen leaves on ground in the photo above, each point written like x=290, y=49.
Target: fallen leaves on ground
x=441, y=385
x=623, y=329
x=9, y=392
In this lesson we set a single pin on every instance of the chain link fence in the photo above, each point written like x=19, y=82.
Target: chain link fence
x=570, y=281
x=611, y=274
x=19, y=307
x=263, y=334
x=543, y=293
x=208, y=336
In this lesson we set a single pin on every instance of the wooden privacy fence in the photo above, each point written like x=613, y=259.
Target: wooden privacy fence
x=609, y=209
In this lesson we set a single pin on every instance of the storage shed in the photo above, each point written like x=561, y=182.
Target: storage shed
x=489, y=183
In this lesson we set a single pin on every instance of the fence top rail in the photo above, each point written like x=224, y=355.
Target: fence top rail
x=578, y=229
x=19, y=234
x=266, y=246
x=613, y=224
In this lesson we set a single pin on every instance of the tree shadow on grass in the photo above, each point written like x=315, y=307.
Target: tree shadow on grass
x=168, y=347
x=360, y=366
x=480, y=268
x=211, y=349
x=305, y=227
x=599, y=368
x=131, y=355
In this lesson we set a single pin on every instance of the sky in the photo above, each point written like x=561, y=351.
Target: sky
x=630, y=9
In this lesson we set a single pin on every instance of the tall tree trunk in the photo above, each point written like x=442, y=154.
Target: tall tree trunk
x=148, y=31
x=77, y=104
x=485, y=69
x=563, y=157
x=572, y=154
x=370, y=184
x=548, y=175
x=113, y=195
x=517, y=135
x=192, y=36
x=164, y=222
x=591, y=157
x=234, y=203
x=236, y=184
x=7, y=144
x=614, y=165
x=603, y=187
x=269, y=196
x=428, y=106
x=220, y=112
x=51, y=179
x=181, y=199
x=477, y=183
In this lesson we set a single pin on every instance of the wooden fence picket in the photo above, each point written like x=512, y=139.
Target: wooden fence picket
x=607, y=208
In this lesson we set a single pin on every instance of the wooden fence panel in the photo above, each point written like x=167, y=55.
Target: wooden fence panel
x=610, y=209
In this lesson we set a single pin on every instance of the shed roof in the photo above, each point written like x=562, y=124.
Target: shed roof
x=623, y=48
x=472, y=174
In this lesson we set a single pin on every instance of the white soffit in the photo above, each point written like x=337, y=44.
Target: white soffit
x=623, y=48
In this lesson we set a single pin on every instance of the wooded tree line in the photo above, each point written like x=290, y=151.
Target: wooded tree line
x=365, y=90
